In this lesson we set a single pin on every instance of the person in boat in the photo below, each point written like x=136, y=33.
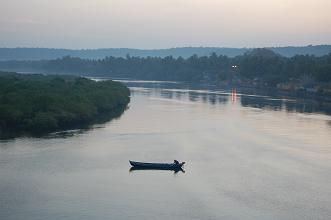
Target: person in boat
x=176, y=162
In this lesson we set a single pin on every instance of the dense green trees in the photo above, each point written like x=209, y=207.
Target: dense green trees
x=37, y=104
x=261, y=64
x=273, y=68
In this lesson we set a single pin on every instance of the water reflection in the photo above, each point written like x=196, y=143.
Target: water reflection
x=75, y=130
x=67, y=133
x=166, y=169
x=273, y=104
x=246, y=98
x=193, y=96
x=167, y=94
x=299, y=105
x=234, y=95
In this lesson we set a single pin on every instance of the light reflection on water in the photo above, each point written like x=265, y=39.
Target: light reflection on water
x=248, y=157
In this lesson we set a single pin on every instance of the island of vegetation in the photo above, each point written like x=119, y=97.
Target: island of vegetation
x=36, y=104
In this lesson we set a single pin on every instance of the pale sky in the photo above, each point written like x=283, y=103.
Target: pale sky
x=163, y=23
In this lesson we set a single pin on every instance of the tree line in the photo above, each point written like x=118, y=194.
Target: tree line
x=259, y=64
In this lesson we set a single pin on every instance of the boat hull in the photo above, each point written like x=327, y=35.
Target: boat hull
x=161, y=166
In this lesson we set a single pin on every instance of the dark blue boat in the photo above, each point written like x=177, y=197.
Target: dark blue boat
x=157, y=166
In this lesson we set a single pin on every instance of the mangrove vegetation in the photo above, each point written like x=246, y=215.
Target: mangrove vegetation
x=36, y=104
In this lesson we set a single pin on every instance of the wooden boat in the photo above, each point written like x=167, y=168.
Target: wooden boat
x=157, y=166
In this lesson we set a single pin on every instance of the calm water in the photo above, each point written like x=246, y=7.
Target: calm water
x=248, y=157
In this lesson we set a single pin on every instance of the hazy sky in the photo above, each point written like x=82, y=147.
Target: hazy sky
x=163, y=23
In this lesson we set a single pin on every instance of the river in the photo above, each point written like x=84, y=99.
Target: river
x=247, y=156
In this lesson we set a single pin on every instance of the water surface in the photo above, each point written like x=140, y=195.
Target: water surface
x=248, y=157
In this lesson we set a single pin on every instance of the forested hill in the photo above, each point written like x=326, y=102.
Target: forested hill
x=36, y=104
x=185, y=52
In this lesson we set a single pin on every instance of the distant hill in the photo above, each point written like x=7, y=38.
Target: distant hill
x=50, y=53
x=262, y=52
x=318, y=50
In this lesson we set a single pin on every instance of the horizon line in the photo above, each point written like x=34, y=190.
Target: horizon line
x=166, y=48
